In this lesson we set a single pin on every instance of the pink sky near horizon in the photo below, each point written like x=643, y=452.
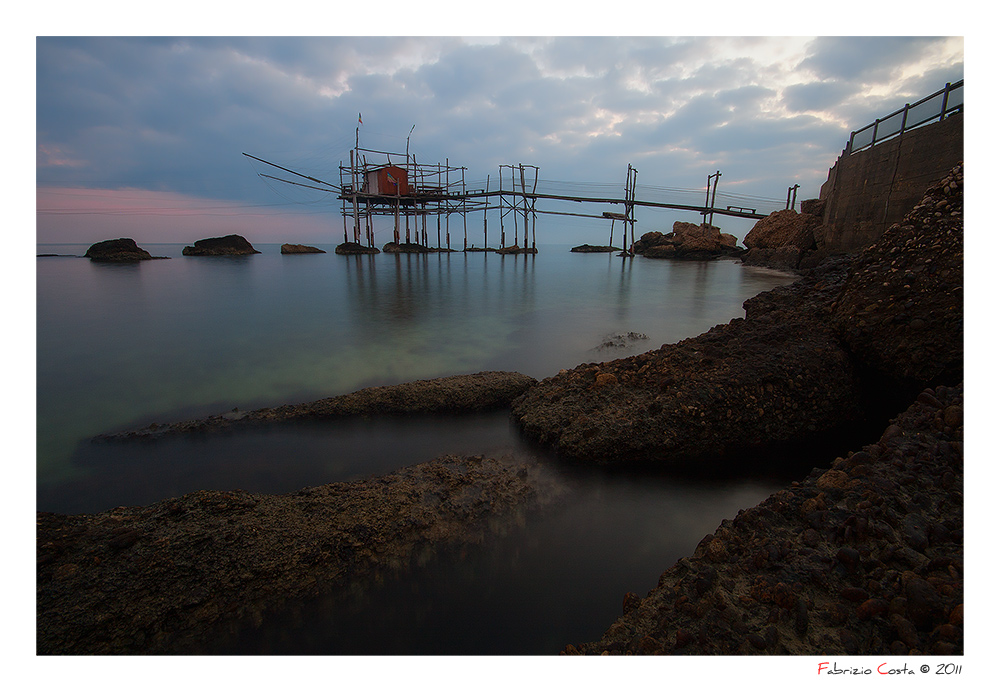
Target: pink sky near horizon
x=89, y=215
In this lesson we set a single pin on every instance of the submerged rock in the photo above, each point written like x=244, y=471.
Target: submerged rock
x=456, y=394
x=226, y=245
x=120, y=250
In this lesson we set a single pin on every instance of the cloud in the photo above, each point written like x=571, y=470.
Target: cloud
x=175, y=114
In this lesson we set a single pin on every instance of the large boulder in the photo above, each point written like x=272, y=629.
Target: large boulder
x=687, y=241
x=226, y=245
x=120, y=250
x=783, y=228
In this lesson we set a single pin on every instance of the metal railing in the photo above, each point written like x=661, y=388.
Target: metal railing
x=933, y=108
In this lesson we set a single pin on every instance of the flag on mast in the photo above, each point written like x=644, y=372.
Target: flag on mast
x=359, y=119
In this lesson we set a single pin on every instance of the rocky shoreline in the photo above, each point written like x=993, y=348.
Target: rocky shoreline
x=863, y=558
x=170, y=576
x=855, y=337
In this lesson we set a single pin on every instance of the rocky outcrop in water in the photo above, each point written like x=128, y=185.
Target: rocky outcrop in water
x=120, y=250
x=350, y=248
x=688, y=241
x=595, y=248
x=863, y=558
x=809, y=357
x=482, y=391
x=226, y=245
x=294, y=249
x=181, y=575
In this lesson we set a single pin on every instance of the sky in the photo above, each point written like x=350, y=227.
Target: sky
x=143, y=137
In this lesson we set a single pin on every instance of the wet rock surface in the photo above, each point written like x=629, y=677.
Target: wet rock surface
x=459, y=393
x=171, y=576
x=862, y=558
x=854, y=334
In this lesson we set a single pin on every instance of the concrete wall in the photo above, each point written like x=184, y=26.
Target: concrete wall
x=869, y=191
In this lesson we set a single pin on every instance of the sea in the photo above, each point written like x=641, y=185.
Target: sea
x=120, y=346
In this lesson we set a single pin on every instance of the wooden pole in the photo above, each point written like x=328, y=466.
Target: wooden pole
x=534, y=187
x=486, y=237
x=502, y=236
x=447, y=204
x=354, y=198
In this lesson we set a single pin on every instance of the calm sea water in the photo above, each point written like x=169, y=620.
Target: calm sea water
x=123, y=346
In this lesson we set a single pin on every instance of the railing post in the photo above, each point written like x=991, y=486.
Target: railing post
x=902, y=126
x=944, y=100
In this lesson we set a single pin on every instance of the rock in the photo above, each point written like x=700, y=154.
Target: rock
x=121, y=250
x=226, y=245
x=355, y=249
x=924, y=606
x=778, y=595
x=406, y=248
x=786, y=258
x=688, y=241
x=902, y=308
x=595, y=248
x=482, y=391
x=813, y=207
x=198, y=569
x=783, y=228
x=292, y=249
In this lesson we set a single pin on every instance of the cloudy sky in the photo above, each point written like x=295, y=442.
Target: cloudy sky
x=143, y=137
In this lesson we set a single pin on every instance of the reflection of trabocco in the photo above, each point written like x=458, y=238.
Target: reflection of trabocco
x=621, y=340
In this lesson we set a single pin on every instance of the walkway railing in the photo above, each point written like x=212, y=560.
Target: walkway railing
x=933, y=108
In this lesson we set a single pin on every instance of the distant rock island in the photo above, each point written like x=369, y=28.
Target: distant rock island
x=355, y=249
x=226, y=245
x=293, y=249
x=120, y=250
x=406, y=248
x=595, y=248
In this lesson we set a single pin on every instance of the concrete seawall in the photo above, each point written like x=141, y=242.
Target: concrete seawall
x=868, y=191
